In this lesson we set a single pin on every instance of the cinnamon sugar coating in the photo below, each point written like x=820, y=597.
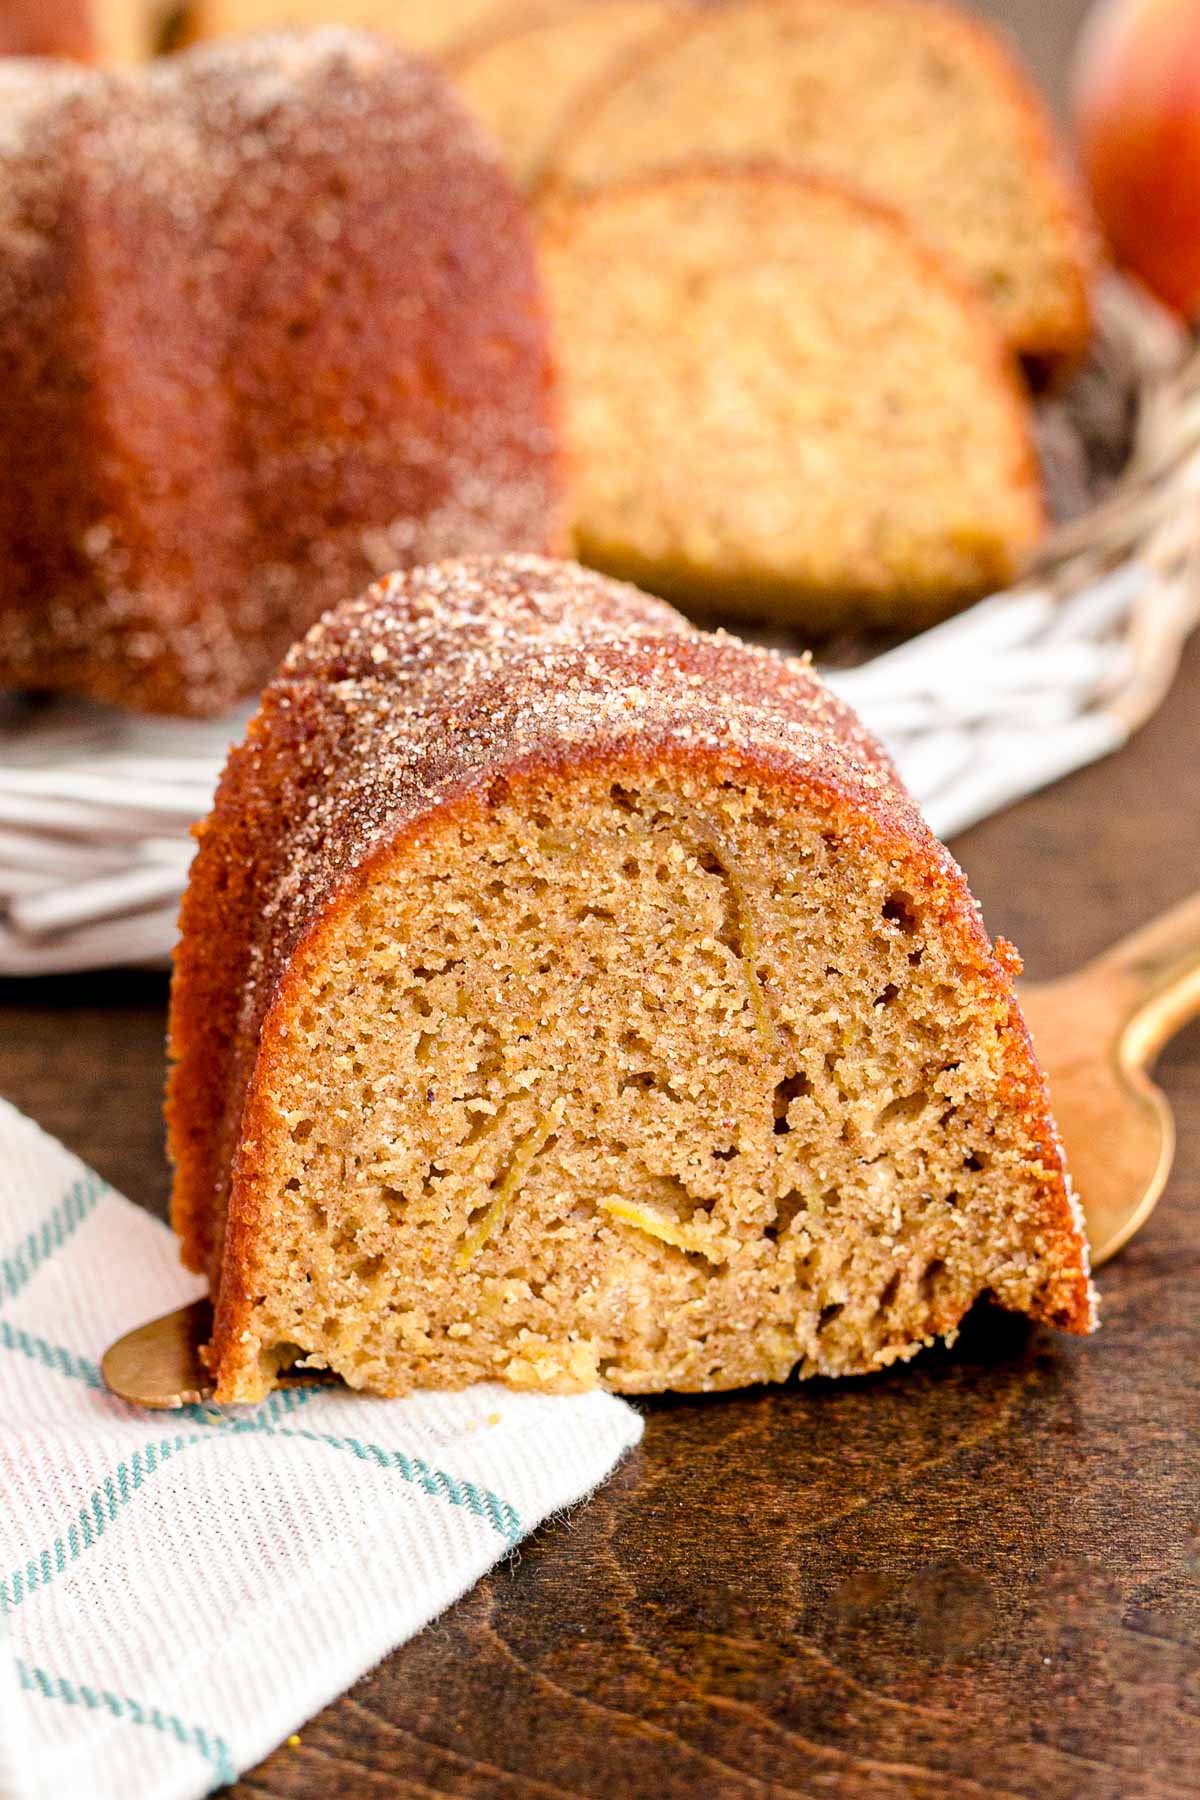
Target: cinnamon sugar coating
x=534, y=931
x=269, y=325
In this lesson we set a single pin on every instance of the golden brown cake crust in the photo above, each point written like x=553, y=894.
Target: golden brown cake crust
x=269, y=325
x=434, y=698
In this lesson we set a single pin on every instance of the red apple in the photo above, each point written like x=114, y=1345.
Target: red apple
x=1137, y=113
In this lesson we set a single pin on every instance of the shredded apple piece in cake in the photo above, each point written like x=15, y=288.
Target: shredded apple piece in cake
x=492, y=1217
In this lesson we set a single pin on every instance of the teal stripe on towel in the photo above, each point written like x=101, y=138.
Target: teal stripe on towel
x=501, y=1514
x=26, y=1258
x=116, y=1491
x=52, y=1356
x=133, y=1712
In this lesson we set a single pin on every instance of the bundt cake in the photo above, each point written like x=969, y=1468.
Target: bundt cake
x=908, y=100
x=523, y=75
x=790, y=408
x=270, y=325
x=568, y=997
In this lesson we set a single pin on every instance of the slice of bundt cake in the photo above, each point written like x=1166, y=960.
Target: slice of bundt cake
x=789, y=408
x=524, y=75
x=429, y=26
x=270, y=324
x=914, y=102
x=568, y=997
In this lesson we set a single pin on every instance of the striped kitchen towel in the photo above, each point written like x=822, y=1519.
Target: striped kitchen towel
x=180, y=1591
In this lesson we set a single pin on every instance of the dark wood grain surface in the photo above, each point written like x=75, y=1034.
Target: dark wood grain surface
x=979, y=1576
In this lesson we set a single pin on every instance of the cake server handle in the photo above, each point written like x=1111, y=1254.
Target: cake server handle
x=1154, y=975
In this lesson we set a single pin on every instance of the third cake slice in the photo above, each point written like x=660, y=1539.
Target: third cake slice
x=913, y=102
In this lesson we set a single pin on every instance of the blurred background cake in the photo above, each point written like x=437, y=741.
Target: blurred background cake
x=270, y=324
x=408, y=414
x=792, y=405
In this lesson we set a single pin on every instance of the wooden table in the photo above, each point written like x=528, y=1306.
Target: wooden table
x=979, y=1576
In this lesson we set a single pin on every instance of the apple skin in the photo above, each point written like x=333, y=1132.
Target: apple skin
x=1136, y=102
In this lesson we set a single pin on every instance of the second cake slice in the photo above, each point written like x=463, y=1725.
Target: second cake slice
x=781, y=401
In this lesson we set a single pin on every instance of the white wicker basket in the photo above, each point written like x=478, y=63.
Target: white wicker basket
x=95, y=806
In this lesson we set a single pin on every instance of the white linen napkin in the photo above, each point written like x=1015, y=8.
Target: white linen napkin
x=179, y=1591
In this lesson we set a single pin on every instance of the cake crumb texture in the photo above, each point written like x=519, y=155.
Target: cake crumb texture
x=791, y=406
